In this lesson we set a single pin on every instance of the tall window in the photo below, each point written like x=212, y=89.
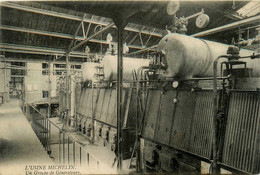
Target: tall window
x=45, y=70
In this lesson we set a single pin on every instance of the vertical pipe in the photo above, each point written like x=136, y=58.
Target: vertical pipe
x=68, y=150
x=216, y=169
x=88, y=158
x=4, y=98
x=44, y=133
x=59, y=146
x=49, y=137
x=49, y=106
x=74, y=153
x=63, y=147
x=67, y=87
x=119, y=92
x=80, y=155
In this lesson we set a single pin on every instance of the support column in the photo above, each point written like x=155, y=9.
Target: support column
x=120, y=23
x=67, y=88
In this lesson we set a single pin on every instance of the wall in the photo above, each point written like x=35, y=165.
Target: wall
x=35, y=82
x=4, y=81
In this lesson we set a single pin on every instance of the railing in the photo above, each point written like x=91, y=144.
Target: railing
x=61, y=145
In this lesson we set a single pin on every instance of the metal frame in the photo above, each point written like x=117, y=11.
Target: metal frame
x=60, y=35
x=72, y=17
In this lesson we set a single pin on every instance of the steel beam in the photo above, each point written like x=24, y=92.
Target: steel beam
x=37, y=50
x=92, y=36
x=59, y=35
x=145, y=49
x=120, y=22
x=71, y=17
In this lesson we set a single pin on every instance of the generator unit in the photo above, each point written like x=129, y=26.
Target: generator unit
x=209, y=113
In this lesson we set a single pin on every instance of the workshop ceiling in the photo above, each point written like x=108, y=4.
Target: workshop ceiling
x=42, y=28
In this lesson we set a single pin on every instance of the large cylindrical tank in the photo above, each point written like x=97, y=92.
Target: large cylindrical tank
x=89, y=70
x=129, y=64
x=188, y=57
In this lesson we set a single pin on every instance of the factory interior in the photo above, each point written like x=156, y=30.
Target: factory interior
x=130, y=87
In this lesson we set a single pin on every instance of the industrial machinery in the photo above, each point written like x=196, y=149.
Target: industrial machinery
x=205, y=109
x=195, y=100
x=94, y=111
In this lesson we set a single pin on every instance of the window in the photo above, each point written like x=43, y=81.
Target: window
x=45, y=94
x=45, y=67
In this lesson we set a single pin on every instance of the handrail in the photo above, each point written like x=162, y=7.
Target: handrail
x=41, y=113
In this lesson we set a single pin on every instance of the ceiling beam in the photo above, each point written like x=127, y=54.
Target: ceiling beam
x=72, y=17
x=38, y=52
x=59, y=35
x=92, y=36
x=25, y=60
x=6, y=47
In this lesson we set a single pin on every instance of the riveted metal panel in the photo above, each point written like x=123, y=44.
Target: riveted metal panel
x=85, y=102
x=90, y=105
x=202, y=132
x=111, y=113
x=242, y=138
x=165, y=117
x=183, y=117
x=151, y=113
x=82, y=100
x=131, y=118
x=99, y=104
x=106, y=105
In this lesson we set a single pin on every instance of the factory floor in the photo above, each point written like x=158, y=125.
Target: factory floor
x=101, y=158
x=19, y=146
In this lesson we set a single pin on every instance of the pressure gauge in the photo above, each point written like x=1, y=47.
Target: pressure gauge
x=175, y=84
x=202, y=21
x=173, y=7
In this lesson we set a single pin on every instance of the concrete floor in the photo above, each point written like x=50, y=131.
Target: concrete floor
x=101, y=158
x=19, y=146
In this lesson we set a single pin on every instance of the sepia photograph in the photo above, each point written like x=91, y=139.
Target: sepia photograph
x=129, y=87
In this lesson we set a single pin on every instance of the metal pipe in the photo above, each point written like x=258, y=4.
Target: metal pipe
x=80, y=155
x=137, y=118
x=59, y=146
x=215, y=112
x=119, y=93
x=88, y=158
x=68, y=150
x=63, y=142
x=49, y=105
x=74, y=153
x=67, y=88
